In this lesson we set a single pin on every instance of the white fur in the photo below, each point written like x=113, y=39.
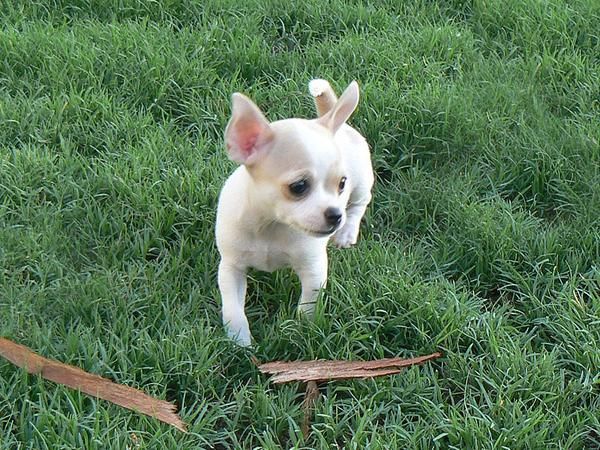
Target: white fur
x=261, y=224
x=318, y=87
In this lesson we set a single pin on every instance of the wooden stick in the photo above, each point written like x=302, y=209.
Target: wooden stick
x=90, y=384
x=322, y=370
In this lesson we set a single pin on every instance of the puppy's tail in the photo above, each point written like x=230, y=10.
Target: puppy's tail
x=323, y=94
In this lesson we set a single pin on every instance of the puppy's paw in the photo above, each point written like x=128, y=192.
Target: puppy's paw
x=345, y=237
x=243, y=338
x=307, y=310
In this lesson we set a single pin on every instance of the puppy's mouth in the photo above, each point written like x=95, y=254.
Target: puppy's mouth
x=312, y=232
x=320, y=233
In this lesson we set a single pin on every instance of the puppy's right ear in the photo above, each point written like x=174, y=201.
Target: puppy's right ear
x=248, y=133
x=342, y=110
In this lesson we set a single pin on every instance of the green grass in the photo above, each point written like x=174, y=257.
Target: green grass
x=483, y=239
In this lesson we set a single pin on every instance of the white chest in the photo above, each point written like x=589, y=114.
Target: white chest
x=263, y=255
x=273, y=248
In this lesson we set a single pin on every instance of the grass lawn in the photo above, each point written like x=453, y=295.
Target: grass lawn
x=483, y=239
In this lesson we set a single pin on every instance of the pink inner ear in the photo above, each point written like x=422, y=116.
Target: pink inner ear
x=246, y=140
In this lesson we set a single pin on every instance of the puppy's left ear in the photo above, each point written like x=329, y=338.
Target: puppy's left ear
x=342, y=110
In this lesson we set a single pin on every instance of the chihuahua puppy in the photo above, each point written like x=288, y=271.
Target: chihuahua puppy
x=300, y=183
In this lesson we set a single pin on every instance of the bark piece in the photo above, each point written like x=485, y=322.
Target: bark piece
x=323, y=370
x=90, y=384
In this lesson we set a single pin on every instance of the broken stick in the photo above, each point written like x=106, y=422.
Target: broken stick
x=323, y=370
x=90, y=384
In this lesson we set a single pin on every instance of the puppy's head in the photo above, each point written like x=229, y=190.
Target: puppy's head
x=298, y=172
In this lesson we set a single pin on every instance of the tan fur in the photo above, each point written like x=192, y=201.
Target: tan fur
x=323, y=95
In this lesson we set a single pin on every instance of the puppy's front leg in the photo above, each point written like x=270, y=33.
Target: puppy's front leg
x=313, y=277
x=232, y=284
x=348, y=234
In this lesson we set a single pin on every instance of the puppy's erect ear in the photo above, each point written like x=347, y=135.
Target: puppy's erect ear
x=248, y=133
x=342, y=110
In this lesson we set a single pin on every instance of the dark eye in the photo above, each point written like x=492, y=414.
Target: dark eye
x=299, y=188
x=342, y=184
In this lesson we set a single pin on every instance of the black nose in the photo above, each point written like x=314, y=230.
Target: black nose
x=333, y=216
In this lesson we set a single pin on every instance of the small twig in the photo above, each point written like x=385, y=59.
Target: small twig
x=90, y=384
x=308, y=405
